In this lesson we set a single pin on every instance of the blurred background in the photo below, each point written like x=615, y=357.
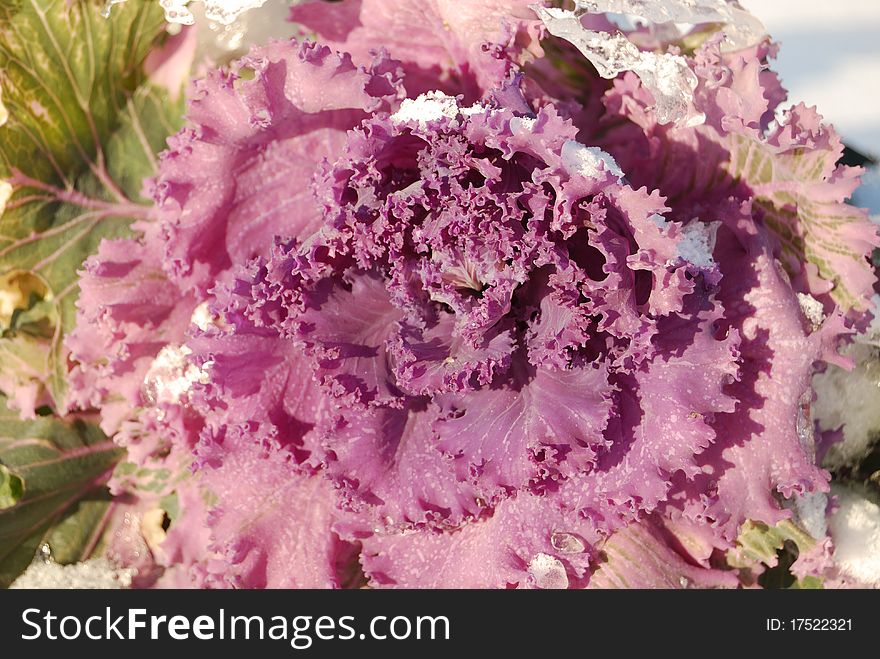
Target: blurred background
x=830, y=57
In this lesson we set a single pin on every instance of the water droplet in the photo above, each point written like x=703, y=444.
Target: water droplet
x=566, y=543
x=45, y=553
x=261, y=118
x=481, y=503
x=684, y=582
x=108, y=6
x=548, y=572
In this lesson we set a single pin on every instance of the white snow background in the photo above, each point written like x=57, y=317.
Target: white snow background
x=830, y=57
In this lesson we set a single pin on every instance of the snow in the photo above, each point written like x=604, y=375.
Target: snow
x=872, y=334
x=588, y=161
x=850, y=399
x=522, y=125
x=659, y=220
x=428, y=107
x=698, y=243
x=855, y=529
x=476, y=108
x=97, y=573
x=829, y=58
x=810, y=508
x=812, y=309
x=202, y=317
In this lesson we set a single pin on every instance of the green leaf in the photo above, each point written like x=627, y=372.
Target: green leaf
x=758, y=543
x=777, y=548
x=808, y=583
x=11, y=488
x=52, y=478
x=803, y=204
x=82, y=132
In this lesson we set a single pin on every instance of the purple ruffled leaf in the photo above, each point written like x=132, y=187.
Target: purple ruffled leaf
x=223, y=187
x=442, y=44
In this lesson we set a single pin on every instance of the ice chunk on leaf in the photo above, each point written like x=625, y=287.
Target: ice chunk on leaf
x=176, y=11
x=668, y=77
x=741, y=29
x=171, y=376
x=810, y=509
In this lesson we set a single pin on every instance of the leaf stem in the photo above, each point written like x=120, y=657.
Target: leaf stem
x=122, y=208
x=98, y=532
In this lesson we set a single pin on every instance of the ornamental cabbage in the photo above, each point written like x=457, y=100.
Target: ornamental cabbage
x=421, y=305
